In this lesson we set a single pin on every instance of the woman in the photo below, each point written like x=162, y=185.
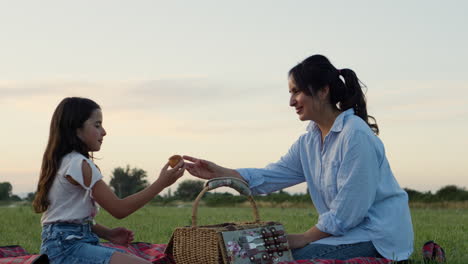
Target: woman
x=362, y=210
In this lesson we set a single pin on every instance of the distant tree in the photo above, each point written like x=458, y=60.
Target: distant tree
x=158, y=199
x=30, y=197
x=452, y=193
x=15, y=198
x=128, y=181
x=223, y=199
x=189, y=189
x=277, y=197
x=413, y=195
x=5, y=190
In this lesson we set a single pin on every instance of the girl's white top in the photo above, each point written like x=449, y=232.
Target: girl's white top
x=68, y=202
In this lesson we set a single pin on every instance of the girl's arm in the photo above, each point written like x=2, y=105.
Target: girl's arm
x=101, y=231
x=121, y=208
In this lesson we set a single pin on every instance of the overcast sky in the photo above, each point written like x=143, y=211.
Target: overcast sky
x=209, y=79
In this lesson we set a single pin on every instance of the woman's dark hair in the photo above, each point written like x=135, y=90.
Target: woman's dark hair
x=316, y=72
x=69, y=115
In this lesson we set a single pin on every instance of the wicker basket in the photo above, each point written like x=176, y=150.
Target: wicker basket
x=205, y=244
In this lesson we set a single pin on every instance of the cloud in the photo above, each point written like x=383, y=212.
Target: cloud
x=27, y=89
x=420, y=100
x=140, y=94
x=182, y=106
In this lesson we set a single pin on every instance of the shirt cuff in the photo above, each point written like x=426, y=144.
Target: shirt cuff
x=254, y=179
x=328, y=223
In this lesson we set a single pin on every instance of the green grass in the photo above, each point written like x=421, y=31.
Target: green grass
x=448, y=227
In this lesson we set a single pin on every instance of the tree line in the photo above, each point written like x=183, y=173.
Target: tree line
x=447, y=193
x=126, y=181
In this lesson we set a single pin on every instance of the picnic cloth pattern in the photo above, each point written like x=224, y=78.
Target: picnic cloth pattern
x=155, y=254
x=16, y=254
x=151, y=252
x=335, y=261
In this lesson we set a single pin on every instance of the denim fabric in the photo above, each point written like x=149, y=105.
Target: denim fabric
x=341, y=252
x=73, y=243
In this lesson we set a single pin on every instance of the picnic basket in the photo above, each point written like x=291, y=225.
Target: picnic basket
x=237, y=243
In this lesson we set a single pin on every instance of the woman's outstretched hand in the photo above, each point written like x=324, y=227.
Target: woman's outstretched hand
x=208, y=170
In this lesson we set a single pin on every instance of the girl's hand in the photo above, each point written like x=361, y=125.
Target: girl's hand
x=168, y=176
x=208, y=170
x=120, y=236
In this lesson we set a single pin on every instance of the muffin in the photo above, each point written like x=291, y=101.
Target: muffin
x=173, y=160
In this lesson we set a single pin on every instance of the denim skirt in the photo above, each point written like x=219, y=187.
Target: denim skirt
x=73, y=244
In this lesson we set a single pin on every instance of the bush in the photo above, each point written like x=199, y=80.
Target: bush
x=223, y=199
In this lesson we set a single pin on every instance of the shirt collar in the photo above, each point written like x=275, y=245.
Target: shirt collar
x=337, y=125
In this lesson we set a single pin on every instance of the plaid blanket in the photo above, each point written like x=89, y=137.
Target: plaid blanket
x=155, y=254
x=151, y=252
x=17, y=254
x=335, y=261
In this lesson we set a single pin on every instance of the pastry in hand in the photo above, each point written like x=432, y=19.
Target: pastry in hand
x=173, y=160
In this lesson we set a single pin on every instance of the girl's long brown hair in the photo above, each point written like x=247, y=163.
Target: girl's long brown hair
x=69, y=115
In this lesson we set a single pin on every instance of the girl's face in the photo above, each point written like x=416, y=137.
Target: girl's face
x=307, y=107
x=92, y=132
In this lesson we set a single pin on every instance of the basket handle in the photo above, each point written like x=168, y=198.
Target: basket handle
x=234, y=183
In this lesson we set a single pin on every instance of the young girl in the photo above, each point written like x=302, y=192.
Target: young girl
x=70, y=185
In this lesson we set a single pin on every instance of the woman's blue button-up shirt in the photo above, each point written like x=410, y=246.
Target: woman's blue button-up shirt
x=351, y=185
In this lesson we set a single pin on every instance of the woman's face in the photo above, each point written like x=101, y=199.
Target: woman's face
x=307, y=107
x=92, y=132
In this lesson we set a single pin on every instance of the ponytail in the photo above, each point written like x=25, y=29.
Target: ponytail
x=355, y=98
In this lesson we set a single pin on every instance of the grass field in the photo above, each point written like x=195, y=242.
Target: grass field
x=448, y=227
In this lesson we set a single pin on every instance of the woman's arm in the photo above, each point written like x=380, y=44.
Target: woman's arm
x=301, y=240
x=276, y=176
x=121, y=208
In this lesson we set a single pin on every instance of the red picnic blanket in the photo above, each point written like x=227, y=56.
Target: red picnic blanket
x=17, y=254
x=155, y=254
x=151, y=252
